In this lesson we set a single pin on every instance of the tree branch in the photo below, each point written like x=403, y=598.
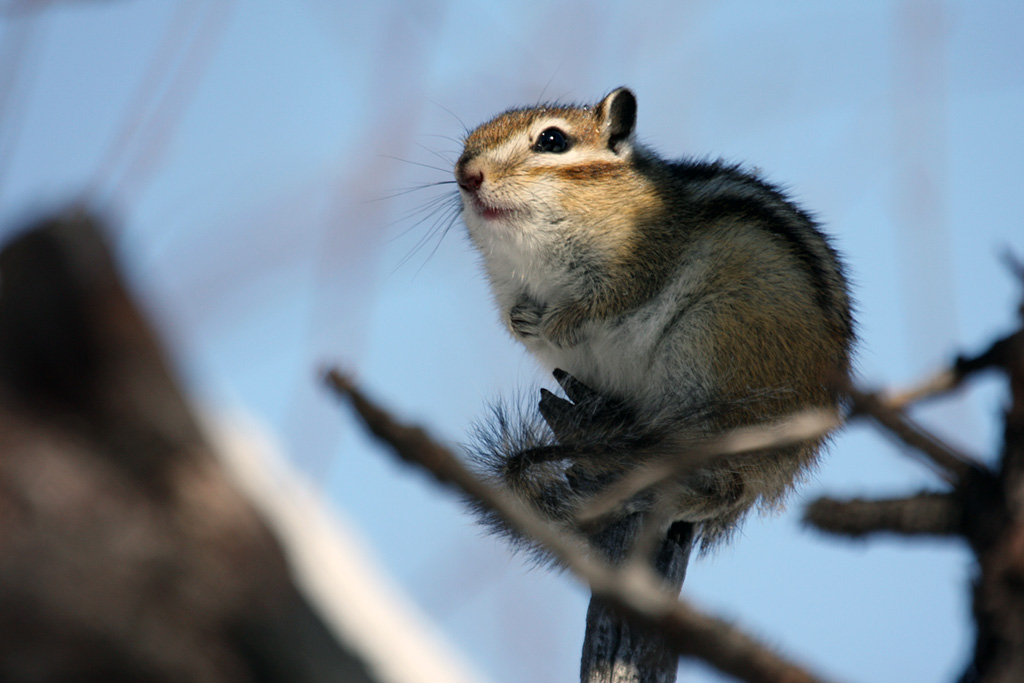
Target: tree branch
x=949, y=463
x=937, y=514
x=632, y=589
x=798, y=427
x=949, y=379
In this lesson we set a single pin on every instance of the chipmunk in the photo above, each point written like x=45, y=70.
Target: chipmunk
x=676, y=300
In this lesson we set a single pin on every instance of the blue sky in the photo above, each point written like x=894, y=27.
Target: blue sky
x=253, y=156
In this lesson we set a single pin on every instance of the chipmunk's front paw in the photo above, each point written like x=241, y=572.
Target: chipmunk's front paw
x=524, y=319
x=563, y=327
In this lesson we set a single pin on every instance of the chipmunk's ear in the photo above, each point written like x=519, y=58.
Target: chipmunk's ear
x=616, y=116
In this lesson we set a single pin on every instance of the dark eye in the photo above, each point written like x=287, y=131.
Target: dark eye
x=551, y=140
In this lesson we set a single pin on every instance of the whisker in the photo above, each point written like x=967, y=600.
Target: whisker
x=446, y=211
x=540, y=98
x=409, y=190
x=449, y=138
x=449, y=222
x=415, y=163
x=436, y=216
x=441, y=204
x=446, y=160
x=429, y=208
x=465, y=128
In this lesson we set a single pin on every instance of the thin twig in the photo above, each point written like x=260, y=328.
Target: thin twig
x=634, y=588
x=953, y=377
x=1014, y=264
x=950, y=464
x=803, y=426
x=995, y=355
x=938, y=384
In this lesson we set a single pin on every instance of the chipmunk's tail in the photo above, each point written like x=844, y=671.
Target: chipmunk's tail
x=599, y=455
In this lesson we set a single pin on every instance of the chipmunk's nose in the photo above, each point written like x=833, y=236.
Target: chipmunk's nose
x=469, y=177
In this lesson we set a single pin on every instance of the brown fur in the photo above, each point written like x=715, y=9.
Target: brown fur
x=603, y=229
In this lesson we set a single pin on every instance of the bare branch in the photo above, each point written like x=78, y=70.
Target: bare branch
x=1014, y=264
x=802, y=426
x=940, y=383
x=951, y=378
x=728, y=648
x=949, y=463
x=938, y=514
x=633, y=589
x=996, y=355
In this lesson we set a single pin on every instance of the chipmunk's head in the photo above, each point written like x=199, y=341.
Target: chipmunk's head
x=530, y=169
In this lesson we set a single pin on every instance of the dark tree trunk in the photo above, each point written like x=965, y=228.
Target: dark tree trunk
x=616, y=650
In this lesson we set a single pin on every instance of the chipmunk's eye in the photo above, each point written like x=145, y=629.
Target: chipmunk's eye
x=552, y=140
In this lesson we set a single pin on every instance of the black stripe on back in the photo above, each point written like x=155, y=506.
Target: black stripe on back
x=771, y=210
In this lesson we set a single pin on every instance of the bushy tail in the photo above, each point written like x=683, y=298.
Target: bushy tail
x=561, y=457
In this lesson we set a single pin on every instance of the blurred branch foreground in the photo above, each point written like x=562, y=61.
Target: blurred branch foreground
x=126, y=551
x=984, y=506
x=635, y=609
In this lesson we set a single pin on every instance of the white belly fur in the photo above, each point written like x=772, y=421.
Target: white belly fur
x=634, y=356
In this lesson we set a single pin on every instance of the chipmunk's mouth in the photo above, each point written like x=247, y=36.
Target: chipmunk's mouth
x=492, y=213
x=496, y=214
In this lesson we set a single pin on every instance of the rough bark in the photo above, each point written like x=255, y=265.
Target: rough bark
x=996, y=533
x=617, y=649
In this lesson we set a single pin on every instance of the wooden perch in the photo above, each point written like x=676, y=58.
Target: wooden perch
x=632, y=590
x=125, y=553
